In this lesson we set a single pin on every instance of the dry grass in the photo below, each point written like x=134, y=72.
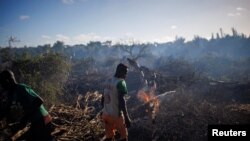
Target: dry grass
x=184, y=117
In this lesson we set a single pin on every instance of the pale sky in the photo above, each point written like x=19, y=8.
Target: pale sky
x=38, y=22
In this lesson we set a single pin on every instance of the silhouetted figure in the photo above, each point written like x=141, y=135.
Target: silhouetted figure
x=31, y=106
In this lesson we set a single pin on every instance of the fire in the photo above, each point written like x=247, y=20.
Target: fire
x=148, y=97
x=143, y=96
x=147, y=93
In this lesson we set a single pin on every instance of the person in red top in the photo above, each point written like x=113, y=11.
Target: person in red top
x=31, y=106
x=114, y=113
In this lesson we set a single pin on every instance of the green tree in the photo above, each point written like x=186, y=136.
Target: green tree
x=47, y=74
x=58, y=47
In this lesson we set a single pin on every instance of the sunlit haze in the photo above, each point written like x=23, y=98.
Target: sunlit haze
x=38, y=22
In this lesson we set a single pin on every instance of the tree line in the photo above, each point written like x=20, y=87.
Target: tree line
x=47, y=67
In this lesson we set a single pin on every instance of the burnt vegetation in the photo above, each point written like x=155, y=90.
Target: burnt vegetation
x=211, y=80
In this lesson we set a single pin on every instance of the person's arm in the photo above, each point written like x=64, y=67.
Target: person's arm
x=122, y=90
x=30, y=100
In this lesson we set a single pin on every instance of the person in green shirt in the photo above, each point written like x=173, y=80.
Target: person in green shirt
x=114, y=113
x=31, y=106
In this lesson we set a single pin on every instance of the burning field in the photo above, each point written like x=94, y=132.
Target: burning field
x=161, y=108
x=176, y=115
x=179, y=114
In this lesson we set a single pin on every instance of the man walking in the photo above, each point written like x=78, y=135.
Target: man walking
x=115, y=115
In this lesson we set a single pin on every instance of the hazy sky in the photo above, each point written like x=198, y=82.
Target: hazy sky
x=36, y=22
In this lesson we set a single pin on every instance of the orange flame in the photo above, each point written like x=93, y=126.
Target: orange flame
x=150, y=98
x=144, y=97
